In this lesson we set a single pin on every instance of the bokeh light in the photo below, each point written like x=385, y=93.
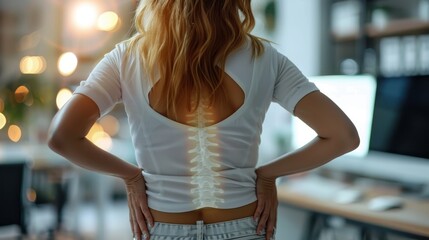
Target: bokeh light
x=14, y=133
x=110, y=125
x=67, y=64
x=85, y=15
x=99, y=137
x=1, y=105
x=29, y=101
x=32, y=65
x=30, y=41
x=31, y=195
x=107, y=21
x=2, y=120
x=21, y=94
x=62, y=97
x=94, y=129
x=102, y=140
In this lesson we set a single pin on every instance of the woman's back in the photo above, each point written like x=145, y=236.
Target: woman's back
x=205, y=157
x=196, y=85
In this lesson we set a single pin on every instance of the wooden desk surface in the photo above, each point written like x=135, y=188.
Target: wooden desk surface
x=413, y=217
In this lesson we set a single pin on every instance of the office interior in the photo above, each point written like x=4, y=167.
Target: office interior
x=371, y=57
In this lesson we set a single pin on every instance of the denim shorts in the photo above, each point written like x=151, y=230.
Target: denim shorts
x=244, y=228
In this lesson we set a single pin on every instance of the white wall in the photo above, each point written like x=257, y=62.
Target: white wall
x=298, y=36
x=298, y=33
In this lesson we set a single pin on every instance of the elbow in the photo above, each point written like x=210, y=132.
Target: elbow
x=351, y=139
x=57, y=141
x=355, y=141
x=345, y=139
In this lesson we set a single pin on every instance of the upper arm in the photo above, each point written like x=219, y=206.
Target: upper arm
x=294, y=92
x=94, y=97
x=290, y=84
x=73, y=121
x=325, y=117
x=103, y=85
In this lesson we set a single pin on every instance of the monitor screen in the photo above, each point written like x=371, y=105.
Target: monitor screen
x=401, y=116
x=355, y=96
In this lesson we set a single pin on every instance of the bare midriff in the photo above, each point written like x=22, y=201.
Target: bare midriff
x=208, y=215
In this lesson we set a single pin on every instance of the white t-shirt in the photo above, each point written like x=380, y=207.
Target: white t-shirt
x=188, y=168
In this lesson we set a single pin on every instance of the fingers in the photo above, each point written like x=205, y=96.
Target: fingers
x=269, y=233
x=147, y=214
x=263, y=218
x=272, y=219
x=134, y=226
x=266, y=210
x=259, y=209
x=263, y=211
x=140, y=215
x=271, y=225
x=268, y=220
x=131, y=220
x=138, y=220
x=141, y=223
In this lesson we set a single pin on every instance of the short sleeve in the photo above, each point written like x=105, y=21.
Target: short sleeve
x=103, y=84
x=291, y=85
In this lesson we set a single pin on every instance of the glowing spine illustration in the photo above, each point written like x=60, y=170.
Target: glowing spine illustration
x=204, y=159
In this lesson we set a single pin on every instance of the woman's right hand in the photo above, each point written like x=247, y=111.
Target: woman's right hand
x=266, y=211
x=140, y=216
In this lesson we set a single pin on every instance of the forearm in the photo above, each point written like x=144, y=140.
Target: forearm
x=84, y=153
x=314, y=154
x=66, y=136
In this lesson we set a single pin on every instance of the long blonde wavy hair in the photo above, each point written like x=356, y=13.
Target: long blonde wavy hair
x=186, y=43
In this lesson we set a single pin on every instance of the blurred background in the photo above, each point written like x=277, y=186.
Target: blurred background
x=370, y=56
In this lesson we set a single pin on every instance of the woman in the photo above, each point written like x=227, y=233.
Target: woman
x=196, y=85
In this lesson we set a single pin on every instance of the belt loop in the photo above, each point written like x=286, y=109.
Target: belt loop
x=200, y=230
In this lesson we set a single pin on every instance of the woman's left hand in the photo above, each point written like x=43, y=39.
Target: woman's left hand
x=266, y=211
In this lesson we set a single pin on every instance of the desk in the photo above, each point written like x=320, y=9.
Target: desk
x=411, y=220
x=43, y=159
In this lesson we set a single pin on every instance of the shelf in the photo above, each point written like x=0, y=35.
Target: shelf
x=393, y=28
x=398, y=27
x=345, y=38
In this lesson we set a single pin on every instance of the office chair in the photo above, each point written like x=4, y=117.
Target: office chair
x=14, y=205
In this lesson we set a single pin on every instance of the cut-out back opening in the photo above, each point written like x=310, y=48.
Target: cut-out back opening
x=218, y=112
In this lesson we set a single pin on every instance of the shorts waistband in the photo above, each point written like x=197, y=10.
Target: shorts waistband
x=243, y=227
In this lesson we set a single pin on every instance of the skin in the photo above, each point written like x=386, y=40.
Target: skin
x=336, y=135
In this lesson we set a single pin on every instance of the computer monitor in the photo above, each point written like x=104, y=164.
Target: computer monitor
x=401, y=116
x=355, y=96
x=391, y=116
